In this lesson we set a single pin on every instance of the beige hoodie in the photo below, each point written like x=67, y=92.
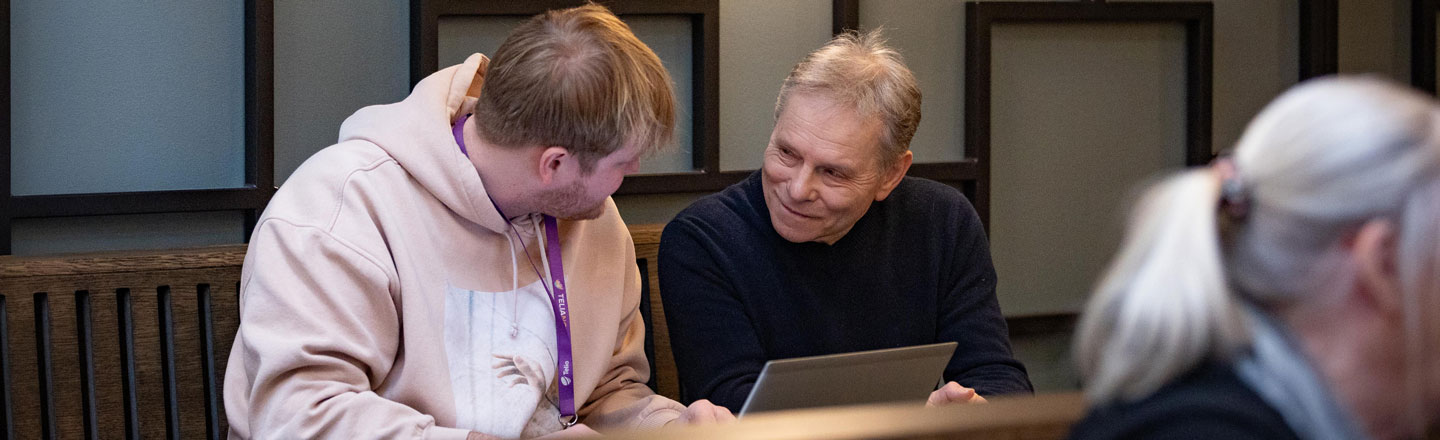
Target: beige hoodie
x=382, y=297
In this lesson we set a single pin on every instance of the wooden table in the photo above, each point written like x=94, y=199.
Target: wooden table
x=1039, y=417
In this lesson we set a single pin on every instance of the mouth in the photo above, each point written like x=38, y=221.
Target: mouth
x=794, y=212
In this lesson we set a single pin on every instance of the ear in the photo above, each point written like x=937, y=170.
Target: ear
x=551, y=162
x=894, y=175
x=1373, y=248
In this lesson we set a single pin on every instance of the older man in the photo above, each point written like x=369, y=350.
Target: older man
x=829, y=248
x=413, y=281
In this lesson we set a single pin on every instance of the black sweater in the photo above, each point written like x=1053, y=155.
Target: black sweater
x=1208, y=403
x=915, y=269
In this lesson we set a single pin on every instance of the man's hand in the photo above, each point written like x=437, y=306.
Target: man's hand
x=702, y=412
x=953, y=393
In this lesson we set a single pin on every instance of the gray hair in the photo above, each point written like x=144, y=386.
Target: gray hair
x=1322, y=159
x=862, y=72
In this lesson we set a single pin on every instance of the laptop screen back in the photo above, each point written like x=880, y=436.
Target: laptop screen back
x=878, y=376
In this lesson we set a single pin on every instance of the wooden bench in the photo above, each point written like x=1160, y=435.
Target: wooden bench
x=122, y=342
x=136, y=342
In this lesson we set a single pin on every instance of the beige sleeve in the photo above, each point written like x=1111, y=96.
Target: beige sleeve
x=622, y=400
x=318, y=329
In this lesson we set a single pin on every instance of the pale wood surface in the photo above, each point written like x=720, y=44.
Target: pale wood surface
x=1020, y=418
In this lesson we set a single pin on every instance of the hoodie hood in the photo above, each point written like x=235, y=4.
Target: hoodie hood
x=417, y=133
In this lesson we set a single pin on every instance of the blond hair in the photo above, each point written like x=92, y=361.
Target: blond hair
x=1322, y=159
x=576, y=78
x=863, y=73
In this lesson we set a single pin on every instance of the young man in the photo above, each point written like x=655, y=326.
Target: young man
x=829, y=248
x=413, y=281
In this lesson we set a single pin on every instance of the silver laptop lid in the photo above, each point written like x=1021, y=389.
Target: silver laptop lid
x=876, y=376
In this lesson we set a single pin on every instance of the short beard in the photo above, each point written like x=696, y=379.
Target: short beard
x=567, y=204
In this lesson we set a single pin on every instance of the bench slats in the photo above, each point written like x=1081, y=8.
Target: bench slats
x=86, y=347
x=43, y=361
x=207, y=363
x=167, y=364
x=7, y=425
x=120, y=361
x=126, y=327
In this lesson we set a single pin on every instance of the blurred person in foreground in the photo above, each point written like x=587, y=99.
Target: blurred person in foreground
x=1291, y=291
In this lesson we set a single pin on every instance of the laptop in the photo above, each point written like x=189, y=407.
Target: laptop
x=876, y=376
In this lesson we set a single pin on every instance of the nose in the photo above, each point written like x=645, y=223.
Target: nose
x=802, y=187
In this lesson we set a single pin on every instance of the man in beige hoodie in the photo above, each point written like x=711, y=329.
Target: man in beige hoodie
x=412, y=281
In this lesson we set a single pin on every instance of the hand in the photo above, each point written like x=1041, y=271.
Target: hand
x=953, y=393
x=520, y=371
x=702, y=412
x=577, y=431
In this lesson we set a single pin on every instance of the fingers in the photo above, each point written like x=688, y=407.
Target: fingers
x=723, y=414
x=502, y=360
x=703, y=412
x=952, y=393
x=717, y=413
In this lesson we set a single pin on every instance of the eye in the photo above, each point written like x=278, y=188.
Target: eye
x=832, y=173
x=786, y=155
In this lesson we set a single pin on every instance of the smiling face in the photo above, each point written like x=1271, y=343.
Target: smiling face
x=823, y=170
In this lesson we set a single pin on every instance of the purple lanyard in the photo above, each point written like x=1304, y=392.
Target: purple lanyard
x=558, y=302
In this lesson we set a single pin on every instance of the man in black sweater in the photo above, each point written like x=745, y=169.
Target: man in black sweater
x=829, y=248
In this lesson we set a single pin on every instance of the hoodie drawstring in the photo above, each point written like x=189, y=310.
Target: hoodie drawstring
x=544, y=258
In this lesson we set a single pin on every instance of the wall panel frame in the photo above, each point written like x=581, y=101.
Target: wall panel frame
x=1319, y=33
x=966, y=172
x=250, y=198
x=1422, y=43
x=981, y=17
x=704, y=15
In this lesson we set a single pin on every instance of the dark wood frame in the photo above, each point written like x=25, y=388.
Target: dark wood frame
x=705, y=18
x=1422, y=43
x=1319, y=44
x=845, y=16
x=1199, y=28
x=966, y=172
x=259, y=149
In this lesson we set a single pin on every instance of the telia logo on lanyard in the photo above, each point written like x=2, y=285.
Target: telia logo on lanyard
x=556, y=288
x=562, y=322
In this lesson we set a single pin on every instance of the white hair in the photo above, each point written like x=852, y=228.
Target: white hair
x=1321, y=159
